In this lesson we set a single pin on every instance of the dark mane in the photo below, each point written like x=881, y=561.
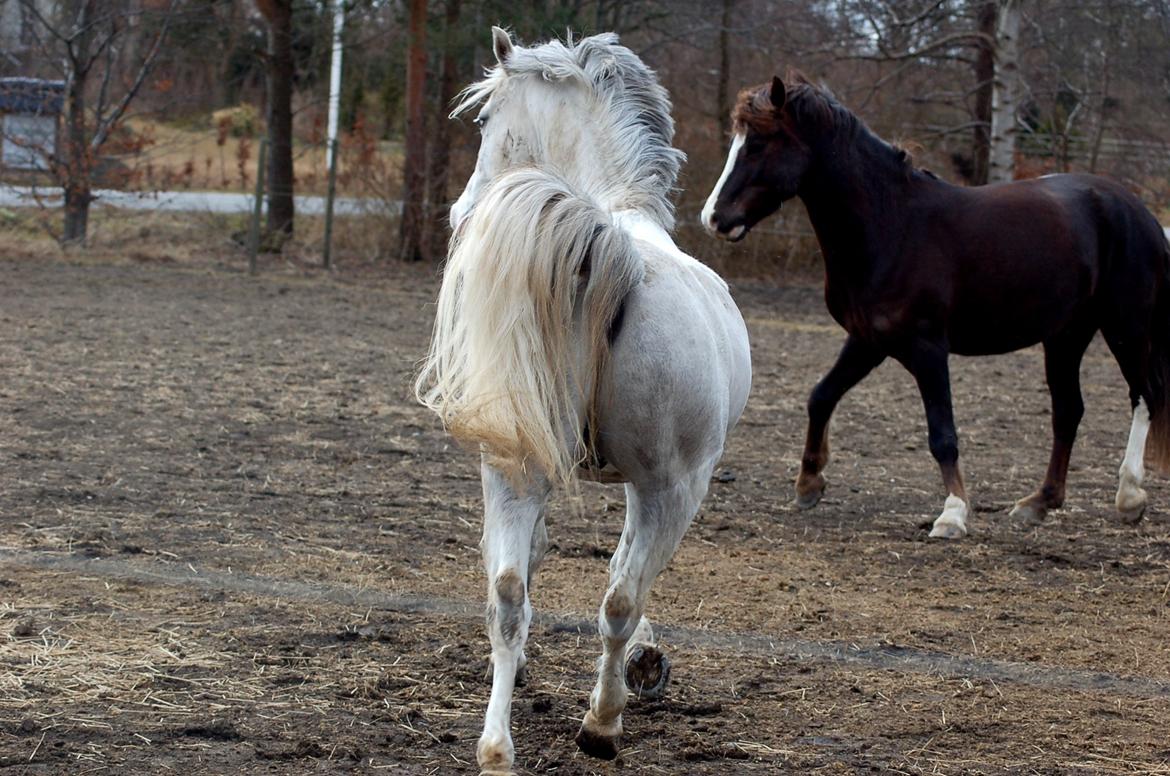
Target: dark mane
x=809, y=111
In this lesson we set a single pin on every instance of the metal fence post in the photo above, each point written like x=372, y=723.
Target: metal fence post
x=330, y=194
x=257, y=208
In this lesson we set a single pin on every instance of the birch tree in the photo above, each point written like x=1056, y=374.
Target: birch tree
x=1005, y=94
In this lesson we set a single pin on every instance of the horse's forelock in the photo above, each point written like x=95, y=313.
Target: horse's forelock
x=807, y=106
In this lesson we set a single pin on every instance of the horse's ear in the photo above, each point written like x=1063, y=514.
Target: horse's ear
x=501, y=44
x=778, y=95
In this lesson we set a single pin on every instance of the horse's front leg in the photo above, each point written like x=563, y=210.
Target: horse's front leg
x=927, y=361
x=656, y=519
x=856, y=360
x=511, y=544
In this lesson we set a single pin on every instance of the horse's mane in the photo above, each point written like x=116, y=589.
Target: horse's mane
x=641, y=127
x=810, y=109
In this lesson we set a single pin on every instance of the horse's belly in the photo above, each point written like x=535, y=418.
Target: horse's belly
x=1006, y=328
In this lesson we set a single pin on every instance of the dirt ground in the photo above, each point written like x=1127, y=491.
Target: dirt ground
x=231, y=543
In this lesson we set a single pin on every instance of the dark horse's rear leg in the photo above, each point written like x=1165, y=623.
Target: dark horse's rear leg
x=927, y=361
x=1062, y=367
x=856, y=360
x=1131, y=352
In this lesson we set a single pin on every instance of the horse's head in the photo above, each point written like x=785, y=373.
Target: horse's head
x=589, y=111
x=765, y=166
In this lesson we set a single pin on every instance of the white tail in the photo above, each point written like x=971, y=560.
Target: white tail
x=513, y=363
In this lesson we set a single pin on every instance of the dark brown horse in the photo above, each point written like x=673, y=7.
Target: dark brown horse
x=916, y=269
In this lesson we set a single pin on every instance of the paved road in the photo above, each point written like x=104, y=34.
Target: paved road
x=192, y=201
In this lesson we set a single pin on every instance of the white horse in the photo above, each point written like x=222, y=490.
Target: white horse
x=573, y=338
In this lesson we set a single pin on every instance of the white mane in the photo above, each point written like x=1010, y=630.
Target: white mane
x=635, y=110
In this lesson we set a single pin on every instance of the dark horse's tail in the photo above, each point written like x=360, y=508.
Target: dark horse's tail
x=1158, y=441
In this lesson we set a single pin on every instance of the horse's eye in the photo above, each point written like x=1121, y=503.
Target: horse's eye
x=481, y=121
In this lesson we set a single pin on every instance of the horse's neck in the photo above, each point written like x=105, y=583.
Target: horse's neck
x=856, y=203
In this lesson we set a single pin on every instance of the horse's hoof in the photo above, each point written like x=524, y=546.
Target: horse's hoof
x=809, y=500
x=947, y=531
x=1131, y=504
x=1027, y=512
x=952, y=523
x=1132, y=516
x=647, y=671
x=809, y=489
x=600, y=741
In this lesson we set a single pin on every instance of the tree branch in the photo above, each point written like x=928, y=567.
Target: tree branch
x=106, y=125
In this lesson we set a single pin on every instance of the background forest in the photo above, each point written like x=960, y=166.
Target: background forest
x=175, y=94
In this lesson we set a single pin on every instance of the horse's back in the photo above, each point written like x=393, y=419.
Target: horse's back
x=1025, y=260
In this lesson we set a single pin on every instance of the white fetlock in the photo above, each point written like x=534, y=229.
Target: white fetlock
x=495, y=754
x=952, y=523
x=1131, y=499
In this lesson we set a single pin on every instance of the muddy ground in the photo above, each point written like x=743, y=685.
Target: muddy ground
x=230, y=543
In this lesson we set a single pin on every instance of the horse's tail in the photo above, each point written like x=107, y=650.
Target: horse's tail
x=1158, y=441
x=535, y=277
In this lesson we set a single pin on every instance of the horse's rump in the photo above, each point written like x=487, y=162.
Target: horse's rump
x=535, y=276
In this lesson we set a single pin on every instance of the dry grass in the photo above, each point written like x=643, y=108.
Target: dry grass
x=187, y=158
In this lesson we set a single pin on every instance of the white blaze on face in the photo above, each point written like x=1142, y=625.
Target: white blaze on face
x=708, y=216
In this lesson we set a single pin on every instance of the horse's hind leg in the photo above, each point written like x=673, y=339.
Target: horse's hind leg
x=656, y=520
x=1062, y=366
x=856, y=360
x=647, y=667
x=536, y=551
x=1132, y=356
x=513, y=540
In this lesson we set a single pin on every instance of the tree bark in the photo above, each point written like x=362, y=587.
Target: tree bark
x=984, y=67
x=281, y=71
x=723, y=92
x=78, y=193
x=1005, y=96
x=441, y=151
x=411, y=243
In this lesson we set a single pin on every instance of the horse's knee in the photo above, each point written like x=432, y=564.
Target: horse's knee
x=506, y=606
x=1067, y=414
x=944, y=446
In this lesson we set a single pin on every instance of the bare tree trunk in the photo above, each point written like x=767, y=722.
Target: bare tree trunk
x=984, y=66
x=723, y=92
x=78, y=193
x=281, y=71
x=1099, y=130
x=441, y=151
x=1004, y=102
x=85, y=38
x=410, y=244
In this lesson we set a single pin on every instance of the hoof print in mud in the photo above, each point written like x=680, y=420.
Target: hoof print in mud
x=647, y=672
